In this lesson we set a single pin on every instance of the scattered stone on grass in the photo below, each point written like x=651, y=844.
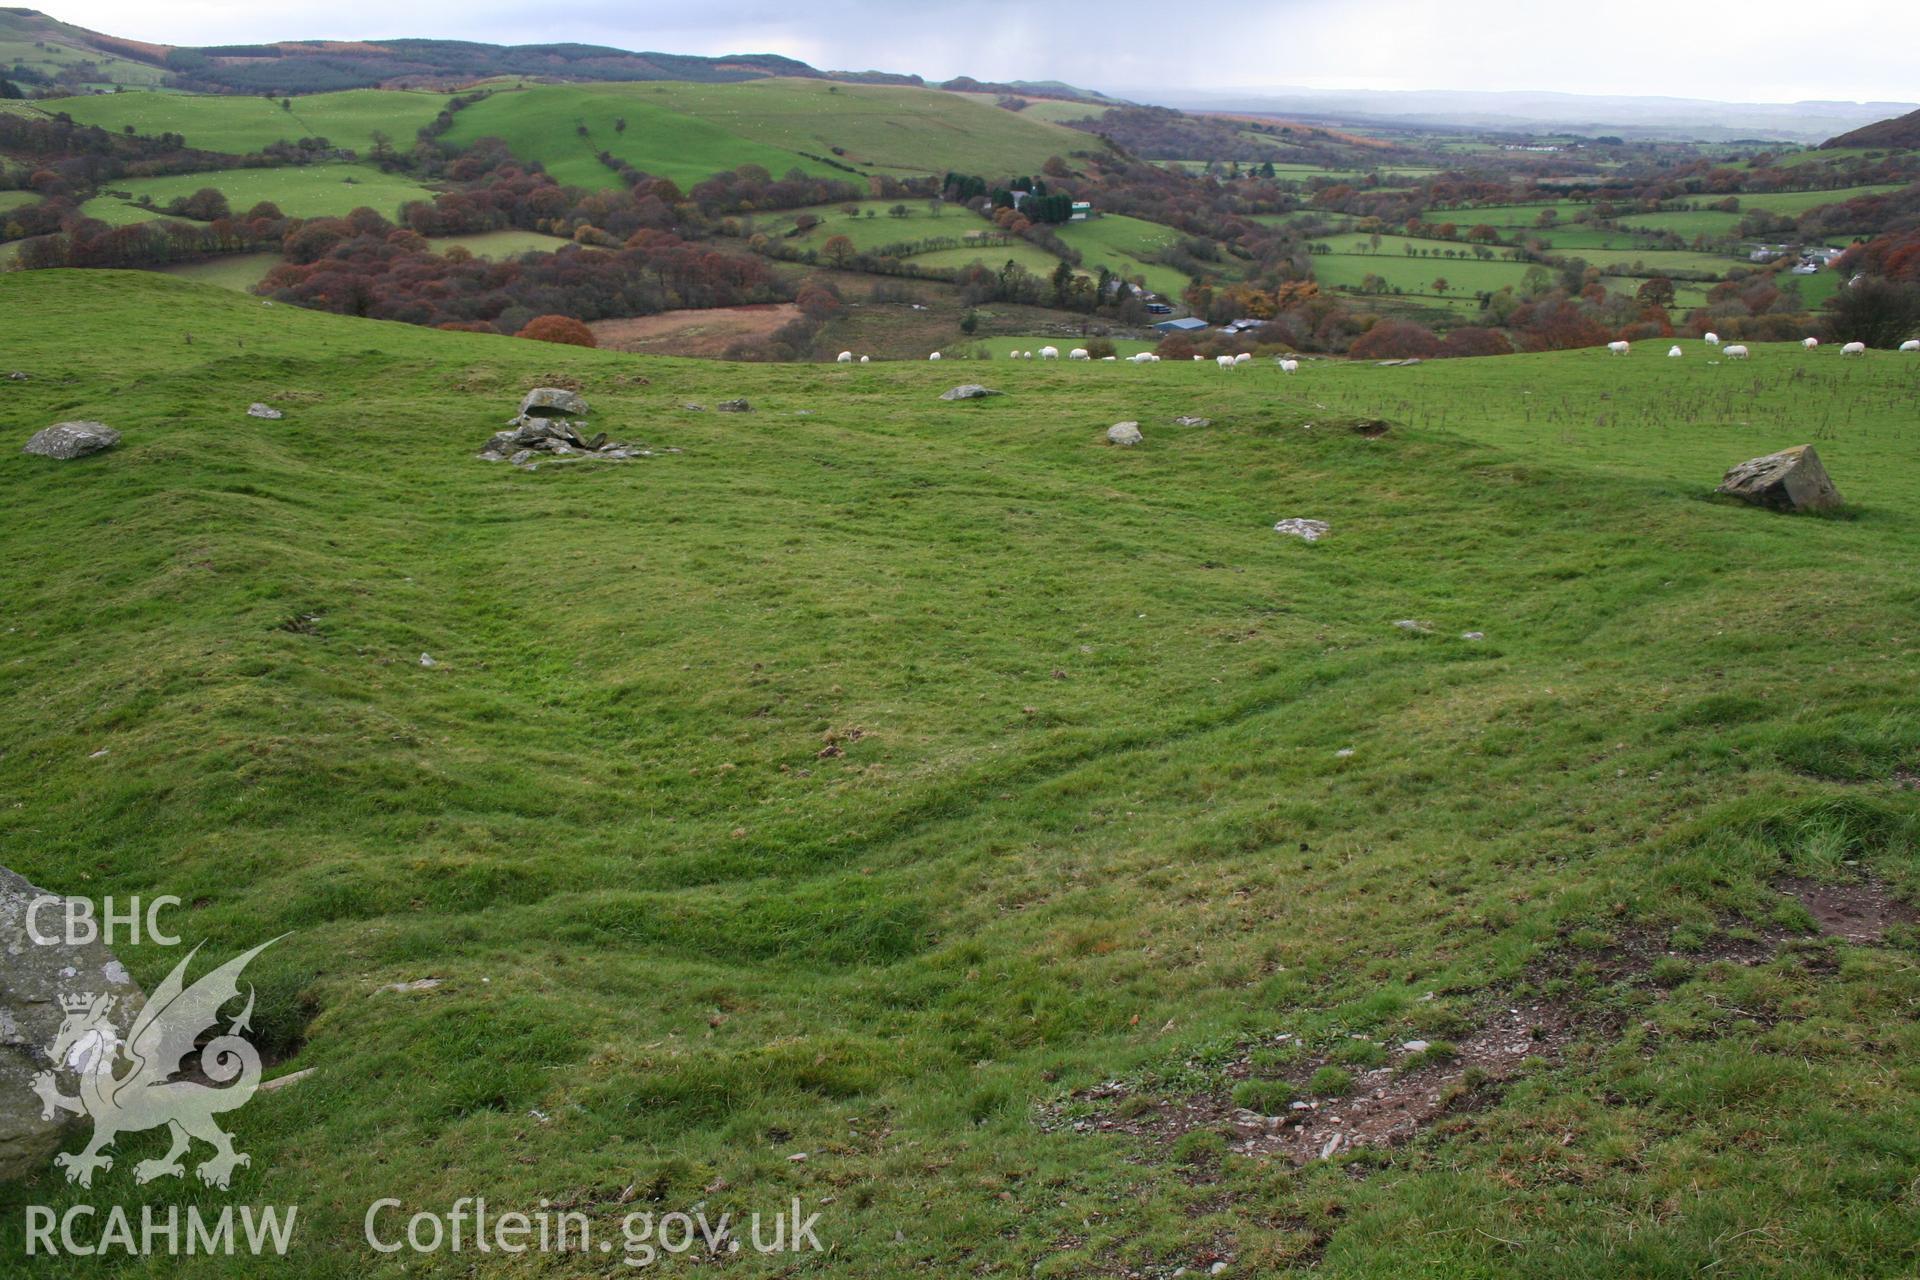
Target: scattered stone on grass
x=1791, y=480
x=69, y=440
x=1188, y=421
x=1415, y=626
x=258, y=410
x=1473, y=635
x=1124, y=434
x=1388, y=1105
x=733, y=406
x=1303, y=529
x=18, y=376
x=552, y=402
x=969, y=391
x=33, y=979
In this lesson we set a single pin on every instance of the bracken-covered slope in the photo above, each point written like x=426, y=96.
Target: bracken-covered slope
x=1901, y=131
x=931, y=812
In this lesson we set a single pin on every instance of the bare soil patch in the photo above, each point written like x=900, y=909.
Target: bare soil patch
x=1859, y=911
x=707, y=332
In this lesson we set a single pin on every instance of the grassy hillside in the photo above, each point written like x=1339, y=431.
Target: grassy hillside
x=689, y=131
x=243, y=123
x=309, y=191
x=974, y=810
x=47, y=48
x=882, y=128
x=545, y=123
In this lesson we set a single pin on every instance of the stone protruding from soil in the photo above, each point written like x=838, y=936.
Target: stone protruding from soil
x=69, y=440
x=1303, y=529
x=969, y=391
x=733, y=406
x=34, y=979
x=1124, y=434
x=268, y=412
x=1791, y=480
x=553, y=402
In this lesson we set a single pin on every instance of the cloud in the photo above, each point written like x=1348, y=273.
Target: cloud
x=1763, y=50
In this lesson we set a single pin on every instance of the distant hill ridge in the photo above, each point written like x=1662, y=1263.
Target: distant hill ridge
x=315, y=66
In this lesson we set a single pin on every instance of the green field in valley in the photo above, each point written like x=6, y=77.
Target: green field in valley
x=244, y=123
x=874, y=227
x=1124, y=245
x=1030, y=256
x=933, y=813
x=237, y=271
x=306, y=191
x=500, y=244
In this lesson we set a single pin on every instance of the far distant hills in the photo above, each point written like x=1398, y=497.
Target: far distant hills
x=1533, y=112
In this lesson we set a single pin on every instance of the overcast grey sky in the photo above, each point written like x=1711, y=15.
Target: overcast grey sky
x=1755, y=51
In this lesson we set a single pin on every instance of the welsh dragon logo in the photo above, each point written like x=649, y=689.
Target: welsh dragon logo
x=129, y=1086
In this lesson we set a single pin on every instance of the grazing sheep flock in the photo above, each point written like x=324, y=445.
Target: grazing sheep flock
x=1291, y=364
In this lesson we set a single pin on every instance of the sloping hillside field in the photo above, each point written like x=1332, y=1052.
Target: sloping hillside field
x=932, y=816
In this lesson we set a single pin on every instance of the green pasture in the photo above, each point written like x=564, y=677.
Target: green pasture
x=931, y=813
x=243, y=123
x=306, y=191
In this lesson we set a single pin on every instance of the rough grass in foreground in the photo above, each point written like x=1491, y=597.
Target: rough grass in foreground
x=1084, y=816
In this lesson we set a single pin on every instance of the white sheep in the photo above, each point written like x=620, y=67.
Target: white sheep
x=1243, y=357
x=1289, y=366
x=934, y=356
x=1619, y=348
x=845, y=357
x=1712, y=339
x=1736, y=352
x=1197, y=358
x=1079, y=353
x=1026, y=355
x=866, y=359
x=1049, y=353
x=1854, y=349
x=1140, y=358
x=1809, y=343
x=1225, y=362
x=1674, y=353
x=1911, y=344
x=1013, y=355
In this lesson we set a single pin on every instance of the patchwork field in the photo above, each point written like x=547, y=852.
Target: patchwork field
x=243, y=123
x=308, y=191
x=1352, y=262
x=935, y=814
x=690, y=131
x=884, y=128
x=546, y=124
